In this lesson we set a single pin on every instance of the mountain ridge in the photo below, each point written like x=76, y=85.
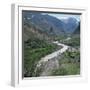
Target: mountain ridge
x=48, y=24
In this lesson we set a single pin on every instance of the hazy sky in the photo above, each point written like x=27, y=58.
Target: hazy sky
x=64, y=16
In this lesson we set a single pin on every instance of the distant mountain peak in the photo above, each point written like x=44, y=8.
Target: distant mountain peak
x=70, y=24
x=45, y=22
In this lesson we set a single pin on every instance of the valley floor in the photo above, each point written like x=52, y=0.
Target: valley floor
x=50, y=63
x=51, y=60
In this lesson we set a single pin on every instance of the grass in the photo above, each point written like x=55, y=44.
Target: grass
x=67, y=69
x=69, y=64
x=34, y=50
x=74, y=41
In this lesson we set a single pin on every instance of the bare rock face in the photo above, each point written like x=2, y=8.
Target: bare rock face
x=47, y=67
x=50, y=62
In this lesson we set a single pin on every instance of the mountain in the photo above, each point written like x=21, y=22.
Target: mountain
x=46, y=23
x=31, y=31
x=70, y=25
x=77, y=31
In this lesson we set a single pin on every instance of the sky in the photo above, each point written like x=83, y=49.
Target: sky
x=64, y=16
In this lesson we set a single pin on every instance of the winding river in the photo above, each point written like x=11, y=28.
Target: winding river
x=54, y=54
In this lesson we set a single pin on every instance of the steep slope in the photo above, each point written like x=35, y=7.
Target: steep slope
x=70, y=24
x=77, y=31
x=31, y=31
x=49, y=25
x=46, y=23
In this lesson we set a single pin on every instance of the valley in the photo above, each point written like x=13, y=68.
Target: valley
x=51, y=45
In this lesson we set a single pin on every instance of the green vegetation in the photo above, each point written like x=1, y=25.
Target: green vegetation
x=74, y=41
x=39, y=32
x=60, y=38
x=69, y=64
x=34, y=50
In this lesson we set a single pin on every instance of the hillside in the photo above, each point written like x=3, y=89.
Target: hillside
x=46, y=23
x=51, y=45
x=77, y=30
x=49, y=24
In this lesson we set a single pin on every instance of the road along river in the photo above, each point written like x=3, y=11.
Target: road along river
x=54, y=54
